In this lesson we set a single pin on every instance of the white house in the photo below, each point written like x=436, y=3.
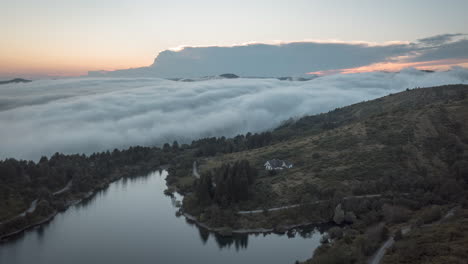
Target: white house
x=276, y=164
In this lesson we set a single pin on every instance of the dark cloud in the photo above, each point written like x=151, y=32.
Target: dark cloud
x=95, y=114
x=439, y=39
x=262, y=60
x=271, y=60
x=452, y=50
x=292, y=59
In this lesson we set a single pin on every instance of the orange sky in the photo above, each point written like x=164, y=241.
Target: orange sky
x=437, y=65
x=72, y=64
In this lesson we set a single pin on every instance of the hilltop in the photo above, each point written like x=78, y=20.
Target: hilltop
x=16, y=80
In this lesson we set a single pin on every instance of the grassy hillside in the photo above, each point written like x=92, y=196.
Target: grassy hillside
x=383, y=163
x=441, y=242
x=395, y=141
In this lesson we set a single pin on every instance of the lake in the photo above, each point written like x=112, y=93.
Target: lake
x=132, y=221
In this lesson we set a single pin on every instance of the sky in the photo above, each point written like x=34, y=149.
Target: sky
x=47, y=38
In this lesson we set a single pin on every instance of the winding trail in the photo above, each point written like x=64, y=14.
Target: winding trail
x=33, y=205
x=31, y=209
x=195, y=170
x=311, y=203
x=377, y=257
x=64, y=189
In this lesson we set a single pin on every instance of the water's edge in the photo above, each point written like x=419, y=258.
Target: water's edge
x=188, y=217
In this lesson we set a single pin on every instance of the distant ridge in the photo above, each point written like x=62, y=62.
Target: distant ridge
x=16, y=80
x=234, y=76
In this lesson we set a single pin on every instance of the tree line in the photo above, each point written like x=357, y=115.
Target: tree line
x=226, y=185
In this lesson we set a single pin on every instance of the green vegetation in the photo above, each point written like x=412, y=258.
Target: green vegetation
x=349, y=246
x=446, y=242
x=226, y=185
x=407, y=142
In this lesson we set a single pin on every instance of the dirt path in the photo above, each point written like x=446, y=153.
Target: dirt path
x=64, y=189
x=377, y=257
x=297, y=205
x=33, y=205
x=31, y=209
x=195, y=170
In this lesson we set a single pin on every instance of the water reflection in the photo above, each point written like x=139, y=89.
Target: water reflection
x=40, y=232
x=240, y=241
x=133, y=221
x=204, y=234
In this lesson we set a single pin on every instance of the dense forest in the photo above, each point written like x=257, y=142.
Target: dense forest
x=226, y=185
x=212, y=146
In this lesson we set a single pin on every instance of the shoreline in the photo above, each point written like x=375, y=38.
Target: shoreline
x=227, y=231
x=8, y=236
x=224, y=231
x=49, y=218
x=68, y=204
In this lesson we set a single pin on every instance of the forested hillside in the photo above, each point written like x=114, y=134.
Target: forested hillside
x=400, y=142
x=398, y=159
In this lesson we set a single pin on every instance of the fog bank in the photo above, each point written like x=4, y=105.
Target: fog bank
x=86, y=115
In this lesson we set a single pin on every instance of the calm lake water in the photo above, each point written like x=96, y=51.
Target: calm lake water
x=132, y=221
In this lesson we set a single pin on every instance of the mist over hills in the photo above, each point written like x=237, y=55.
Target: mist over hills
x=85, y=115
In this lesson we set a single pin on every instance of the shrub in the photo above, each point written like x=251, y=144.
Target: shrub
x=350, y=217
x=338, y=217
x=398, y=235
x=430, y=215
x=335, y=232
x=339, y=254
x=395, y=214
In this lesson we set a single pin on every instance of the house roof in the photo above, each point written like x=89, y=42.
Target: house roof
x=276, y=163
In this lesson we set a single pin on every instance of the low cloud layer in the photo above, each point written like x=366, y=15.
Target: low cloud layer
x=296, y=58
x=86, y=115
